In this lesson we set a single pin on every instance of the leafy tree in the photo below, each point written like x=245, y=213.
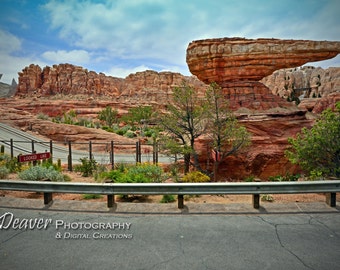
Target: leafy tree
x=227, y=136
x=70, y=117
x=317, y=150
x=185, y=120
x=138, y=115
x=108, y=115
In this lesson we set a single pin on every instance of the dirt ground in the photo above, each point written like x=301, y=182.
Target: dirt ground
x=223, y=199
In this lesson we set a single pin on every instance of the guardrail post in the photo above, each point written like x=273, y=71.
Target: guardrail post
x=110, y=200
x=180, y=199
x=331, y=199
x=256, y=201
x=48, y=197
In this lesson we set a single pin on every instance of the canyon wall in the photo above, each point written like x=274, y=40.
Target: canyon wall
x=66, y=79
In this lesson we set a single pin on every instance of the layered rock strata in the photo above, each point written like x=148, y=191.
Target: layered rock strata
x=148, y=87
x=237, y=64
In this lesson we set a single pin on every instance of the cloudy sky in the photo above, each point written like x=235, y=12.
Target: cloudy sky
x=119, y=37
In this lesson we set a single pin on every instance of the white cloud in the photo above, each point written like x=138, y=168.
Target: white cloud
x=77, y=57
x=121, y=72
x=8, y=42
x=10, y=63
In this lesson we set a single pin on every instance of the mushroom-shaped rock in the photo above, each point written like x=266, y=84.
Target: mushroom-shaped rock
x=237, y=64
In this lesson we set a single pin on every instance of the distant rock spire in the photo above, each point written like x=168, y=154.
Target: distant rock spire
x=12, y=88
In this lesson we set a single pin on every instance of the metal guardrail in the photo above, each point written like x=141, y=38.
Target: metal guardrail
x=330, y=187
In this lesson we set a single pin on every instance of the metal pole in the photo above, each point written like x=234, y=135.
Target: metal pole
x=69, y=156
x=112, y=156
x=90, y=149
x=32, y=146
x=51, y=150
x=156, y=152
x=12, y=151
x=137, y=154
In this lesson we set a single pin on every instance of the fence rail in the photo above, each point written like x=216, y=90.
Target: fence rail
x=106, y=153
x=330, y=187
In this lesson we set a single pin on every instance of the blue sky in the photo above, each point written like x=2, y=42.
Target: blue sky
x=119, y=37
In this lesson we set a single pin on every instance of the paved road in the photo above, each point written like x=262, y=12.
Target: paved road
x=290, y=237
x=23, y=145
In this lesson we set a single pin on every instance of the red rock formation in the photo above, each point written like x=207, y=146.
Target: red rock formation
x=65, y=79
x=237, y=64
x=304, y=82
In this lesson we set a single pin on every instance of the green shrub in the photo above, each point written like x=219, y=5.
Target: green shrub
x=120, y=132
x=250, y=178
x=10, y=163
x=91, y=196
x=4, y=172
x=152, y=172
x=316, y=175
x=87, y=167
x=267, y=197
x=42, y=116
x=168, y=198
x=141, y=173
x=130, y=134
x=37, y=173
x=287, y=177
x=195, y=177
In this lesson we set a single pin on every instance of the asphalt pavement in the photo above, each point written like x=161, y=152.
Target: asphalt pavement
x=87, y=235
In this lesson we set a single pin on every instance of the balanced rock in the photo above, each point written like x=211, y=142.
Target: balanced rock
x=237, y=64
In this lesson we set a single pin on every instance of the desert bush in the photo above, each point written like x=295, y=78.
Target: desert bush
x=10, y=163
x=4, y=172
x=195, y=177
x=42, y=116
x=267, y=198
x=91, y=196
x=37, y=173
x=287, y=177
x=87, y=167
x=168, y=198
x=140, y=173
x=152, y=172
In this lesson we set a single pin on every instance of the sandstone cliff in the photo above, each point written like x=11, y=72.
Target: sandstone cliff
x=304, y=82
x=65, y=79
x=316, y=88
